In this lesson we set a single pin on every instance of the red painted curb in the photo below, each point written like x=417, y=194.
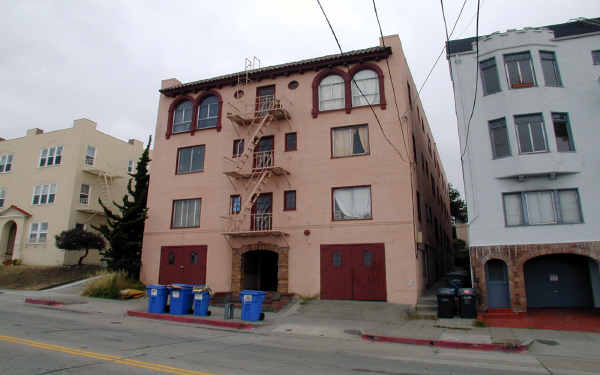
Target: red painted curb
x=447, y=344
x=187, y=319
x=43, y=302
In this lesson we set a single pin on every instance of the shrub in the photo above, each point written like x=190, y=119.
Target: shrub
x=109, y=286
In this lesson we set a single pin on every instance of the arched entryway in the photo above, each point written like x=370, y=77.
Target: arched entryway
x=9, y=234
x=559, y=281
x=260, y=269
x=496, y=275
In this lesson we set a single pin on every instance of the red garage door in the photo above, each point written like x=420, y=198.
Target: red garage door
x=353, y=271
x=182, y=264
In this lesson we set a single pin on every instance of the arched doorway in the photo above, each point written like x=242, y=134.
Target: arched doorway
x=9, y=234
x=558, y=281
x=496, y=275
x=260, y=270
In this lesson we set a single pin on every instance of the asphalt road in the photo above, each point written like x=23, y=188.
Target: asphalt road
x=43, y=340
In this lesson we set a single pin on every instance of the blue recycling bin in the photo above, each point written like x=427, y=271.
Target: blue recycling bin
x=157, y=298
x=180, y=299
x=252, y=304
x=201, y=302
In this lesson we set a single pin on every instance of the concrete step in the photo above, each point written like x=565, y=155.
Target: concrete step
x=421, y=308
x=427, y=299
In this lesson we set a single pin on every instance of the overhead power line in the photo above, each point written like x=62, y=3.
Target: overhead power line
x=360, y=91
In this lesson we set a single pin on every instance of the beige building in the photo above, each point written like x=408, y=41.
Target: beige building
x=50, y=182
x=287, y=178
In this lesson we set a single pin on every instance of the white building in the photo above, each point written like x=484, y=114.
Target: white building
x=531, y=163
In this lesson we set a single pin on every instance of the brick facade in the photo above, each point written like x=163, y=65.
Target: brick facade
x=515, y=257
x=237, y=276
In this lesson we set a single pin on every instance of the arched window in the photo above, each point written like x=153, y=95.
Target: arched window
x=368, y=83
x=331, y=93
x=208, y=112
x=182, y=117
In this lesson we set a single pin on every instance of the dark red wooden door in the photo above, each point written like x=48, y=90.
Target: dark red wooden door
x=353, y=271
x=336, y=272
x=183, y=264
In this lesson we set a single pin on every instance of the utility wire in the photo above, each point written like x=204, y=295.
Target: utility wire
x=462, y=154
x=444, y=47
x=444, y=17
x=360, y=91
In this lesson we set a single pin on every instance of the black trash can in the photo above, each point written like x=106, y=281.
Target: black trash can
x=446, y=304
x=468, y=303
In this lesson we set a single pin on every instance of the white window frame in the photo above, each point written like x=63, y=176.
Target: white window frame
x=90, y=159
x=371, y=98
x=325, y=87
x=84, y=198
x=6, y=162
x=556, y=207
x=37, y=233
x=189, y=123
x=46, y=194
x=2, y=196
x=530, y=132
x=55, y=151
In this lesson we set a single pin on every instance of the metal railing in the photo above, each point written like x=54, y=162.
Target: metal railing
x=84, y=200
x=263, y=159
x=266, y=103
x=261, y=222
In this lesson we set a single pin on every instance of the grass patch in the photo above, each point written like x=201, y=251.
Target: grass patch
x=40, y=277
x=109, y=286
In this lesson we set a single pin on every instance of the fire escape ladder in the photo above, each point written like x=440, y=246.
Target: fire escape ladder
x=253, y=142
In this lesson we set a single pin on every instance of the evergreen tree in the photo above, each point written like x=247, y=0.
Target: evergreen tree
x=458, y=207
x=79, y=239
x=124, y=230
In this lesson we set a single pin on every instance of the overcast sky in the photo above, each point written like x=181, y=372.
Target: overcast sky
x=104, y=60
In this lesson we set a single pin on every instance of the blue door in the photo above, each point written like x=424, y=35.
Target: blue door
x=496, y=276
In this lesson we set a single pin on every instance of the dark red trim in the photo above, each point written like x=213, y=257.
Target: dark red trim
x=347, y=187
x=284, y=70
x=447, y=344
x=286, y=147
x=379, y=72
x=199, y=100
x=190, y=319
x=177, y=160
x=348, y=126
x=43, y=302
x=315, y=88
x=172, y=107
x=285, y=208
x=20, y=210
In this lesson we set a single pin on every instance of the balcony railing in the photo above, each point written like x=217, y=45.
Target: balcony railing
x=84, y=200
x=263, y=159
x=266, y=103
x=261, y=222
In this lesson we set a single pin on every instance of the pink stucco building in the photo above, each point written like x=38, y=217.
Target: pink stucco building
x=311, y=177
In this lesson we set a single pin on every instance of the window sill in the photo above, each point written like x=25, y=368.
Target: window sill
x=332, y=110
x=541, y=225
x=491, y=93
x=194, y=130
x=50, y=166
x=350, y=156
x=289, y=209
x=291, y=150
x=362, y=219
x=534, y=152
x=501, y=157
x=366, y=105
x=175, y=228
x=185, y=173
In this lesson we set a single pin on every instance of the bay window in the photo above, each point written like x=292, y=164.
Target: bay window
x=542, y=207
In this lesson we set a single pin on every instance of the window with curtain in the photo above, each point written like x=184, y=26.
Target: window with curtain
x=562, y=131
x=499, y=138
x=542, y=207
x=519, y=70
x=489, y=76
x=190, y=159
x=182, y=117
x=550, y=69
x=531, y=133
x=186, y=213
x=365, y=82
x=332, y=93
x=350, y=141
x=236, y=204
x=352, y=203
x=208, y=113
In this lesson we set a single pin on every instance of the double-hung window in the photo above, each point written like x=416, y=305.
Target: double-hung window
x=6, y=163
x=365, y=88
x=208, y=112
x=562, y=131
x=550, y=69
x=90, y=155
x=238, y=148
x=542, y=207
x=489, y=76
x=84, y=194
x=350, y=140
x=38, y=232
x=186, y=213
x=291, y=142
x=531, y=133
x=51, y=156
x=289, y=200
x=2, y=196
x=332, y=90
x=499, y=138
x=351, y=203
x=519, y=70
x=190, y=159
x=44, y=194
